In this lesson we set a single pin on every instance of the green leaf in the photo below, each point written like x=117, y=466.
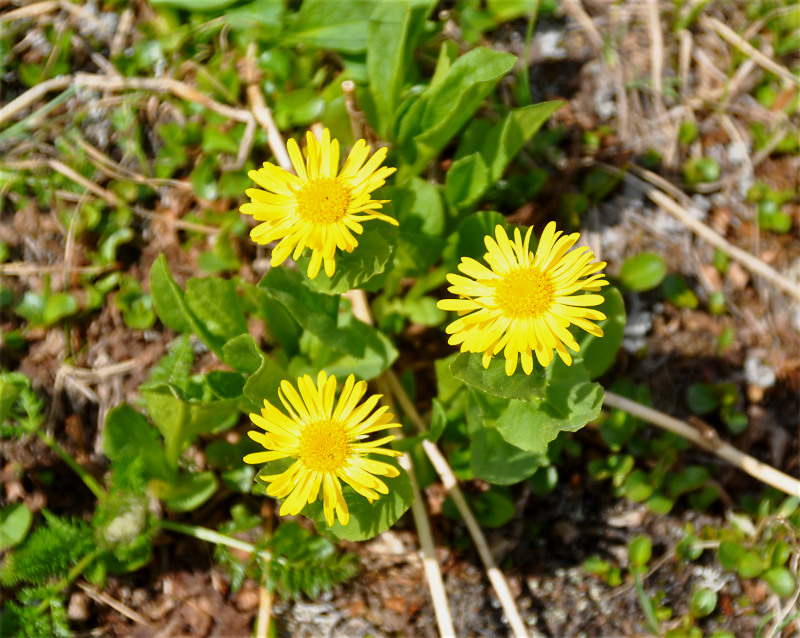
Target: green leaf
x=703, y=602
x=691, y=478
x=638, y=487
x=367, y=520
x=216, y=309
x=729, y=554
x=501, y=143
x=418, y=207
x=224, y=384
x=203, y=178
x=751, y=564
x=181, y=421
x=493, y=380
x=446, y=105
x=264, y=384
x=187, y=491
x=283, y=328
x=356, y=269
x=643, y=272
x=701, y=398
x=468, y=240
x=194, y=5
x=168, y=297
x=15, y=521
x=243, y=354
x=339, y=25
x=390, y=39
x=598, y=354
x=128, y=434
x=493, y=459
x=780, y=580
x=640, y=550
x=466, y=181
x=570, y=401
x=57, y=306
x=678, y=292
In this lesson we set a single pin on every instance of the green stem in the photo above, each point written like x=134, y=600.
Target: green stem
x=205, y=534
x=524, y=77
x=87, y=478
x=76, y=571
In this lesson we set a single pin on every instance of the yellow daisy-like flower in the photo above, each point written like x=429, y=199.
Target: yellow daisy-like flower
x=524, y=303
x=326, y=442
x=318, y=208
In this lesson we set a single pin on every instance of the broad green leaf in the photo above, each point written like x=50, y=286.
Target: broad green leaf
x=643, y=272
x=188, y=491
x=493, y=459
x=168, y=297
x=203, y=178
x=703, y=602
x=751, y=564
x=640, y=551
x=264, y=384
x=501, y=143
x=446, y=105
x=194, y=5
x=367, y=520
x=217, y=309
x=492, y=508
x=356, y=269
x=339, y=25
x=283, y=328
x=599, y=353
x=181, y=421
x=15, y=521
x=392, y=30
x=493, y=380
x=243, y=354
x=418, y=207
x=729, y=554
x=466, y=181
x=127, y=433
x=57, y=306
x=297, y=108
x=468, y=240
x=569, y=403
x=315, y=311
x=377, y=353
x=780, y=580
x=226, y=385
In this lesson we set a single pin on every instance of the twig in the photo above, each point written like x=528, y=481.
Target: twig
x=708, y=440
x=752, y=263
x=450, y=484
x=430, y=564
x=105, y=599
x=441, y=607
x=264, y=612
x=575, y=9
x=262, y=113
x=725, y=32
x=357, y=120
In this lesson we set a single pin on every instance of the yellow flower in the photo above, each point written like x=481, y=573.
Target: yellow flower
x=326, y=442
x=317, y=208
x=523, y=304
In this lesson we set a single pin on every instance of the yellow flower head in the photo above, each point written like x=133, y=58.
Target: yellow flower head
x=318, y=208
x=326, y=442
x=524, y=303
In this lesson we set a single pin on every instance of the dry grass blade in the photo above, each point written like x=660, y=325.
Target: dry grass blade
x=745, y=47
x=752, y=263
x=709, y=440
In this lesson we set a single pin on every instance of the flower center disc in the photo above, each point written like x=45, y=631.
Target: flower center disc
x=323, y=200
x=523, y=293
x=323, y=446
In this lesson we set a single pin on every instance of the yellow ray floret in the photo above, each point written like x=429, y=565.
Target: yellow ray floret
x=326, y=439
x=320, y=207
x=523, y=304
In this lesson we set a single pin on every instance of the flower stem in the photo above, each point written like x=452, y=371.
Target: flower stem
x=87, y=478
x=209, y=535
x=76, y=571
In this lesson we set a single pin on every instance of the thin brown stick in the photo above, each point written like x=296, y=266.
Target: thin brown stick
x=709, y=440
x=105, y=599
x=752, y=263
x=262, y=112
x=264, y=612
x=450, y=483
x=764, y=61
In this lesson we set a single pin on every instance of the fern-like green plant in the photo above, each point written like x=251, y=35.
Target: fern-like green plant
x=48, y=552
x=39, y=612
